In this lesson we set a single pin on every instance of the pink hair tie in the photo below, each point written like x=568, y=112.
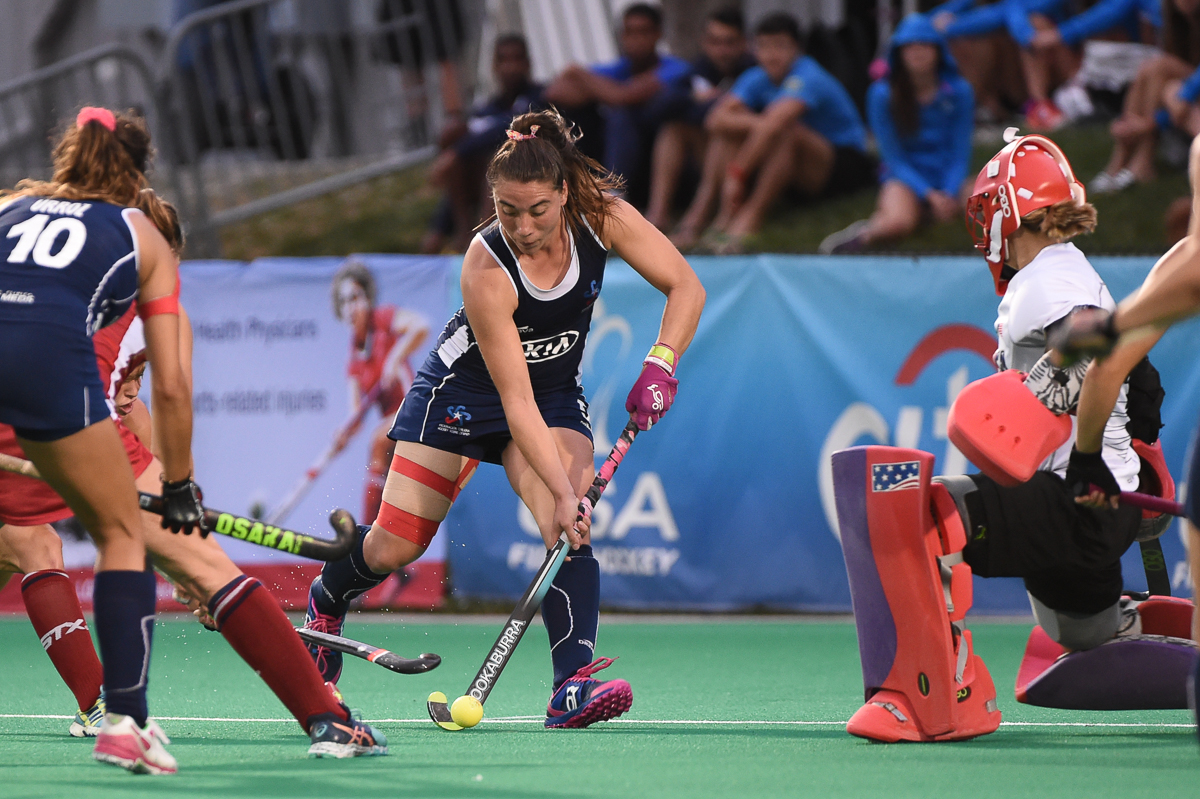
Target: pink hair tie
x=91, y=113
x=517, y=136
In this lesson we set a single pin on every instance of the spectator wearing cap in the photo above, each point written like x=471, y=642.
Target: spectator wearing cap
x=679, y=147
x=922, y=117
x=786, y=123
x=636, y=93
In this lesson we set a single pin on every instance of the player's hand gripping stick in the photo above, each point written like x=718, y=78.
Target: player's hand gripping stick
x=240, y=527
x=182, y=508
x=469, y=707
x=654, y=391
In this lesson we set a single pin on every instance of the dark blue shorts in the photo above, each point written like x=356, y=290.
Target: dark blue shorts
x=49, y=382
x=454, y=419
x=1192, y=505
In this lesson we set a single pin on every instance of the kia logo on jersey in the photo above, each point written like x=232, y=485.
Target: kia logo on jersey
x=546, y=349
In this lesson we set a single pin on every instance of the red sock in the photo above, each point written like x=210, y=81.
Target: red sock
x=54, y=610
x=256, y=627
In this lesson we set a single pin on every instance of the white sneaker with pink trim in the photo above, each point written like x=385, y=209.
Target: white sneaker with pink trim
x=141, y=751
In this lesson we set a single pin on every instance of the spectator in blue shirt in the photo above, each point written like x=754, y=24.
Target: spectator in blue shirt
x=785, y=123
x=681, y=142
x=637, y=92
x=1161, y=96
x=467, y=147
x=922, y=116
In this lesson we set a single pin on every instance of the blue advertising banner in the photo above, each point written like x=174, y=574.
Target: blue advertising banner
x=728, y=502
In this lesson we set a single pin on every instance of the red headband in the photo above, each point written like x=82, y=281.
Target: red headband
x=91, y=113
x=517, y=136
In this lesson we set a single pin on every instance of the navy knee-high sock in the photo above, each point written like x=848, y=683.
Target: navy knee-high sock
x=571, y=611
x=343, y=580
x=123, y=603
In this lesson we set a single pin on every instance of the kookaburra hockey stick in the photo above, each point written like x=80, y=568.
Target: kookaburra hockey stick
x=497, y=658
x=241, y=527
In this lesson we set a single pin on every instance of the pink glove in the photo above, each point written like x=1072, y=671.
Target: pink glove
x=654, y=391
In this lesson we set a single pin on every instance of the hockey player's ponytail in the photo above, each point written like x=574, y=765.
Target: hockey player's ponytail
x=101, y=156
x=541, y=148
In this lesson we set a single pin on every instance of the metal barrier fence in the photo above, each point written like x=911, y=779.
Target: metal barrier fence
x=33, y=106
x=258, y=104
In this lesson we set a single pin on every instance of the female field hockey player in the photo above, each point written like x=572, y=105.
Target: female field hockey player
x=74, y=257
x=502, y=386
x=239, y=607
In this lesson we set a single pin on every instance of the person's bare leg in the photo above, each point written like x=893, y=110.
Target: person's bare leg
x=384, y=552
x=783, y=164
x=90, y=470
x=717, y=154
x=666, y=165
x=197, y=566
x=1035, y=68
x=897, y=214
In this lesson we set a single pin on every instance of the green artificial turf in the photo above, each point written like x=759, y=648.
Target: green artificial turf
x=721, y=709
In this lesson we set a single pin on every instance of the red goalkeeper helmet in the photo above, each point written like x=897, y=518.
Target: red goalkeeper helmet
x=1031, y=172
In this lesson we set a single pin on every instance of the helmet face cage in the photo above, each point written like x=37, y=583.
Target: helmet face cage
x=1003, y=193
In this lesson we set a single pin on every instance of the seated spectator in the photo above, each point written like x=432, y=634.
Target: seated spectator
x=681, y=142
x=1053, y=55
x=983, y=37
x=922, y=116
x=637, y=92
x=466, y=148
x=1160, y=96
x=785, y=123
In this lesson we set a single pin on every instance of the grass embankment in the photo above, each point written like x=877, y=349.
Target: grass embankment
x=389, y=214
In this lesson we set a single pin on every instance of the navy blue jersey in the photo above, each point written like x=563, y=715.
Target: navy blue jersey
x=553, y=324
x=66, y=263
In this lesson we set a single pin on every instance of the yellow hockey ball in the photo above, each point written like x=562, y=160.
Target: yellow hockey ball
x=466, y=711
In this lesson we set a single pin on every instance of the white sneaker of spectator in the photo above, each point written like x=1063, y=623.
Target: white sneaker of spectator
x=845, y=241
x=1074, y=101
x=1104, y=183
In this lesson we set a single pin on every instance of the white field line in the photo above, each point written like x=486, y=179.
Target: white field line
x=681, y=722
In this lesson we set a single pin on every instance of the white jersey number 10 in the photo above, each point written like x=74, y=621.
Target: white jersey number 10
x=38, y=239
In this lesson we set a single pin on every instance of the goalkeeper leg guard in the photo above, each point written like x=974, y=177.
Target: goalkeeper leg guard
x=903, y=539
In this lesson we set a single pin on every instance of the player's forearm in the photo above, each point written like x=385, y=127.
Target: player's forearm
x=1171, y=291
x=681, y=315
x=1096, y=400
x=172, y=423
x=1101, y=388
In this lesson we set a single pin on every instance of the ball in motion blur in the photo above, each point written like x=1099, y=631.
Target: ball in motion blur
x=466, y=711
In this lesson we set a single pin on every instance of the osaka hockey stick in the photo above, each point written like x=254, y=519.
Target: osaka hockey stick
x=427, y=661
x=241, y=527
x=497, y=658
x=301, y=488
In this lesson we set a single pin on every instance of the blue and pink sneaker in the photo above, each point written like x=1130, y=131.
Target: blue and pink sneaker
x=329, y=662
x=581, y=700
